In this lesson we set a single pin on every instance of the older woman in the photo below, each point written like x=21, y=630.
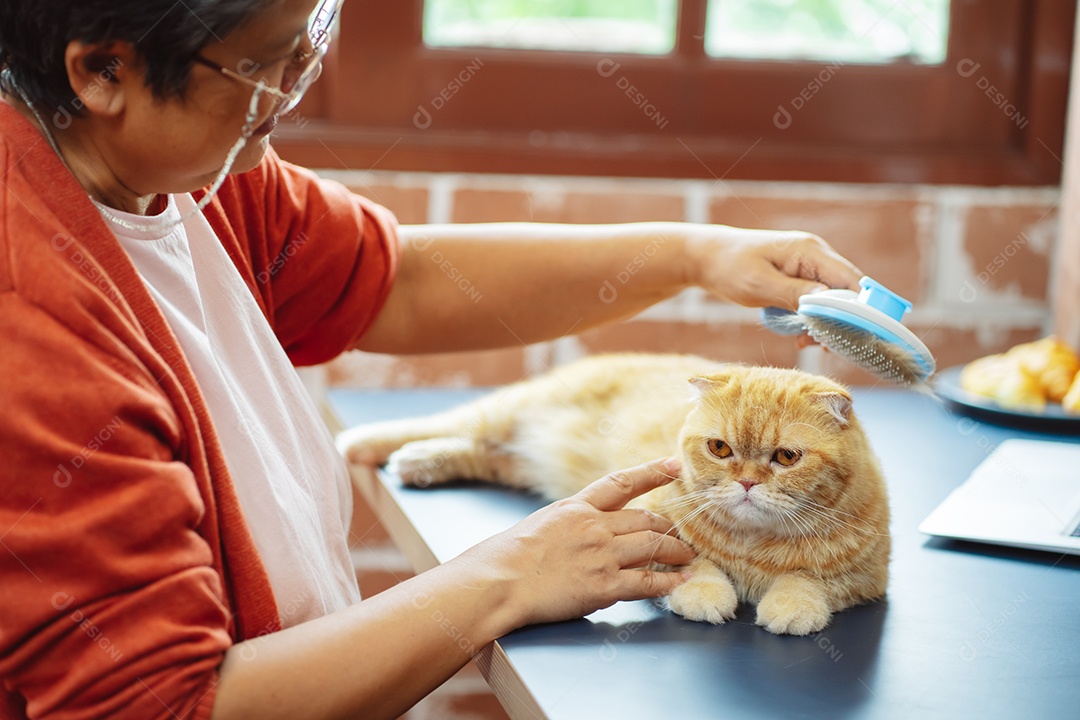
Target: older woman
x=173, y=519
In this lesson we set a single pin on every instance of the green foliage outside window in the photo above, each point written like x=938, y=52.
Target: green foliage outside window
x=857, y=31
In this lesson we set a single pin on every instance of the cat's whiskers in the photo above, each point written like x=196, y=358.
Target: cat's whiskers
x=837, y=525
x=784, y=521
x=802, y=505
x=685, y=500
x=818, y=516
x=685, y=520
x=795, y=532
x=682, y=522
x=828, y=515
x=700, y=498
x=807, y=534
x=726, y=520
x=809, y=502
x=805, y=529
x=693, y=497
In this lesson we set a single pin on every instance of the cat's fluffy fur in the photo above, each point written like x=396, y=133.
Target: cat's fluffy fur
x=799, y=541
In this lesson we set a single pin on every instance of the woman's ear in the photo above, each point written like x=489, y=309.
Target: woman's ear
x=102, y=75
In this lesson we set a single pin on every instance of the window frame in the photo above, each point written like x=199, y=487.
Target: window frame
x=388, y=101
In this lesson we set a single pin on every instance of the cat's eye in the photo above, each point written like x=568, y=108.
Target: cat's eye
x=719, y=448
x=785, y=457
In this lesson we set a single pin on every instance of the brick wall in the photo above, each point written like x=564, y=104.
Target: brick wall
x=975, y=261
x=1065, y=282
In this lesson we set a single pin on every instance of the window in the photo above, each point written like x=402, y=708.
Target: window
x=852, y=31
x=985, y=107
x=630, y=26
x=848, y=31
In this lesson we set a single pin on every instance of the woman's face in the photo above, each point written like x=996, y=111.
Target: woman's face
x=180, y=145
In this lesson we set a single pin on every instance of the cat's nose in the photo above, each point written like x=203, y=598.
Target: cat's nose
x=747, y=483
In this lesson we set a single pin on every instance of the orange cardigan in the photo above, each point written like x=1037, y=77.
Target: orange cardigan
x=126, y=568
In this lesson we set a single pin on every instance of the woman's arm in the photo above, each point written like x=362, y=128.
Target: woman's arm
x=468, y=287
x=378, y=658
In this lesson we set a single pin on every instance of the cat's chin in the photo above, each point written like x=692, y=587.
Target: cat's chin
x=751, y=515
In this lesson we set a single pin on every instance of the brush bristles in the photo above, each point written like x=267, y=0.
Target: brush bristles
x=868, y=351
x=785, y=324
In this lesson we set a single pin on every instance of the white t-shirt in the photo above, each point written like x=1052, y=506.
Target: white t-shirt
x=292, y=484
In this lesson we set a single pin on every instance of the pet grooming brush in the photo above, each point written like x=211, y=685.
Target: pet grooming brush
x=864, y=328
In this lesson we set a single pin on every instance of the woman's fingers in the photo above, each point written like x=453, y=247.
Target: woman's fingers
x=807, y=267
x=641, y=548
x=639, y=536
x=613, y=491
x=624, y=522
x=830, y=267
x=761, y=268
x=588, y=551
x=642, y=584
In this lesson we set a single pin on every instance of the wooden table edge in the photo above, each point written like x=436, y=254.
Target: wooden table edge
x=492, y=661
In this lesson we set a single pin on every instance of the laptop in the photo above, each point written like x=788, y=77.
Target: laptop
x=1026, y=493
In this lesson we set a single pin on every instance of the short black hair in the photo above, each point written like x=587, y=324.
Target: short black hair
x=166, y=34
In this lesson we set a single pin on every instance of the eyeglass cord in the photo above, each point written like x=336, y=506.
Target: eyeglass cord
x=160, y=226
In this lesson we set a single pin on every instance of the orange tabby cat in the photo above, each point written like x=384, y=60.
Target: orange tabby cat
x=780, y=492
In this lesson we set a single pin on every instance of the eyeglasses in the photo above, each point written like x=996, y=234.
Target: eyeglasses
x=303, y=69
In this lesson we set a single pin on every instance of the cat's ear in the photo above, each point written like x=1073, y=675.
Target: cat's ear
x=702, y=384
x=838, y=404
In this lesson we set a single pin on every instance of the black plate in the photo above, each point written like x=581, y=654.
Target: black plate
x=1053, y=419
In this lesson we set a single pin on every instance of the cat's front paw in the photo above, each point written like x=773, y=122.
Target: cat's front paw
x=794, y=608
x=710, y=599
x=370, y=444
x=429, y=462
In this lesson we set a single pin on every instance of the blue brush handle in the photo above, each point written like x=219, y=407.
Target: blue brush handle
x=778, y=320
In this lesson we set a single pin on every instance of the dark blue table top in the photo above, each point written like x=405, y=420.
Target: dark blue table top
x=967, y=630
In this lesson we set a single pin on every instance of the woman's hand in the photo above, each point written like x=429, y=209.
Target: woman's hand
x=382, y=655
x=758, y=268
x=586, y=552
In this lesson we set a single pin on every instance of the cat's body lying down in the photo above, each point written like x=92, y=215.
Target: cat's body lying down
x=780, y=493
